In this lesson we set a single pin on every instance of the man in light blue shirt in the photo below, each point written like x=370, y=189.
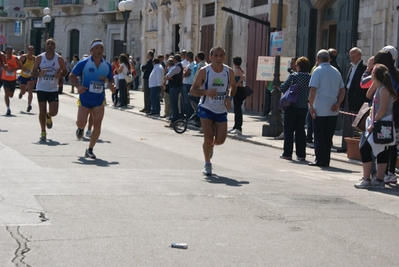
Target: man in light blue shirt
x=327, y=91
x=154, y=82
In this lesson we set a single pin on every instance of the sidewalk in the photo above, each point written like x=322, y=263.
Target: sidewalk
x=252, y=126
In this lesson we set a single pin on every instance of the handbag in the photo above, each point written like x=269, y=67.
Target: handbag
x=248, y=91
x=129, y=78
x=359, y=123
x=290, y=96
x=383, y=132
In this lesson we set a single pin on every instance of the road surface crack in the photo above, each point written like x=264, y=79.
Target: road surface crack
x=22, y=249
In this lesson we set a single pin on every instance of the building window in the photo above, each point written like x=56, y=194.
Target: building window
x=209, y=10
x=259, y=3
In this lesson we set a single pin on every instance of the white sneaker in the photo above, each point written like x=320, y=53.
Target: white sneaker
x=88, y=133
x=236, y=131
x=390, y=178
x=363, y=183
x=207, y=169
x=375, y=183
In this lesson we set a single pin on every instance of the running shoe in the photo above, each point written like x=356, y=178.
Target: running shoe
x=375, y=183
x=8, y=113
x=207, y=169
x=79, y=133
x=363, y=183
x=49, y=122
x=390, y=178
x=29, y=108
x=43, y=136
x=88, y=133
x=284, y=157
x=89, y=153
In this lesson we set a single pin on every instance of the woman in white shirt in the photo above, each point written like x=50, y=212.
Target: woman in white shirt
x=123, y=71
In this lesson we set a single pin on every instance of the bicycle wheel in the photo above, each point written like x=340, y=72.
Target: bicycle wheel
x=180, y=126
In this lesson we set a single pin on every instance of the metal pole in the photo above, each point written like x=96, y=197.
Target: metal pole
x=126, y=17
x=275, y=126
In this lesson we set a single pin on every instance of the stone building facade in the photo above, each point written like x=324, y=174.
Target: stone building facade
x=174, y=25
x=76, y=22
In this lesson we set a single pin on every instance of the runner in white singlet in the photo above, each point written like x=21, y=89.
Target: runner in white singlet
x=215, y=84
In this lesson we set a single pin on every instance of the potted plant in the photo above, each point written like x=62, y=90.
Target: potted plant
x=17, y=8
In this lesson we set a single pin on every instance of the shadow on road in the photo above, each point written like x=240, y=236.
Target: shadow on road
x=391, y=189
x=98, y=162
x=215, y=179
x=50, y=142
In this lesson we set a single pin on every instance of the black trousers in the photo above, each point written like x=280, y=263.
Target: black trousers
x=122, y=93
x=294, y=122
x=324, y=128
x=238, y=99
x=147, y=95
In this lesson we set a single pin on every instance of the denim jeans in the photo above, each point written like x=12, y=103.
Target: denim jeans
x=154, y=96
x=174, y=101
x=185, y=101
x=122, y=92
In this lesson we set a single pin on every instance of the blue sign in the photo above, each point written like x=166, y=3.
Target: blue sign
x=18, y=27
x=276, y=43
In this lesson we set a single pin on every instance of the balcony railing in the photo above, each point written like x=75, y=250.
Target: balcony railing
x=36, y=3
x=68, y=2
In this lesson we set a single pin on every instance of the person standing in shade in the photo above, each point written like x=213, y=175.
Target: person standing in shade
x=95, y=71
x=188, y=79
x=175, y=82
x=147, y=68
x=295, y=116
x=138, y=74
x=355, y=95
x=326, y=94
x=239, y=97
x=9, y=76
x=215, y=85
x=49, y=67
x=123, y=71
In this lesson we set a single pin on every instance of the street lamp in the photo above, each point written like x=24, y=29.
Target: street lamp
x=125, y=7
x=46, y=20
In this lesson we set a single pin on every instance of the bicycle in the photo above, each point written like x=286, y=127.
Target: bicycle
x=180, y=125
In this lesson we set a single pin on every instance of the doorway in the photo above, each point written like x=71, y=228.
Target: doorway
x=329, y=25
x=74, y=44
x=176, y=38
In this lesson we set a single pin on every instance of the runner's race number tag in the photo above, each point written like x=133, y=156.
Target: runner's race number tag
x=96, y=87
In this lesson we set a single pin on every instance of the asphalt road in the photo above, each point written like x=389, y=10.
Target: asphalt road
x=146, y=191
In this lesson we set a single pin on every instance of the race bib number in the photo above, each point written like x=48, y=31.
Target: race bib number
x=96, y=87
x=219, y=99
x=9, y=73
x=48, y=79
x=27, y=72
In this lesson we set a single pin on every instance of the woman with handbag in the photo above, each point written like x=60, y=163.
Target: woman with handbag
x=295, y=115
x=381, y=113
x=239, y=97
x=123, y=71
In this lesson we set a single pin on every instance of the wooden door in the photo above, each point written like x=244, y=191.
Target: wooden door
x=348, y=12
x=207, y=37
x=74, y=44
x=306, y=34
x=257, y=45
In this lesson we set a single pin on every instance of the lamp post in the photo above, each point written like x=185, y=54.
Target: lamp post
x=46, y=20
x=125, y=7
x=275, y=126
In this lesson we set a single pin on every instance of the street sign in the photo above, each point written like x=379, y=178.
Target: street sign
x=2, y=39
x=276, y=43
x=18, y=27
x=265, y=70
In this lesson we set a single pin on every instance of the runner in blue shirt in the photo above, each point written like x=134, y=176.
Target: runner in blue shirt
x=94, y=72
